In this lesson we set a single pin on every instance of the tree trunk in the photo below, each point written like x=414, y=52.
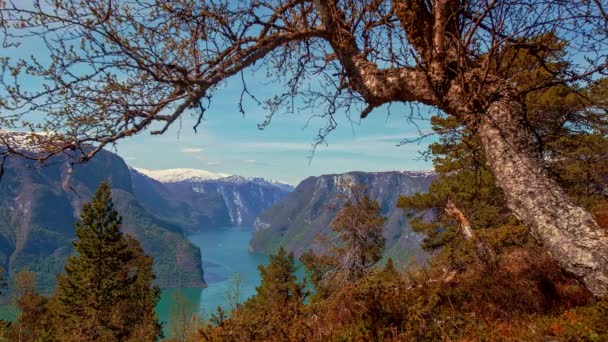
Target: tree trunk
x=485, y=253
x=570, y=233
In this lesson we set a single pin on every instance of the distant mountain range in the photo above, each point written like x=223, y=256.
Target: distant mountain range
x=244, y=198
x=305, y=214
x=181, y=175
x=39, y=204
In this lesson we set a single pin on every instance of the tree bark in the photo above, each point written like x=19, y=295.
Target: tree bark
x=489, y=106
x=485, y=253
x=570, y=233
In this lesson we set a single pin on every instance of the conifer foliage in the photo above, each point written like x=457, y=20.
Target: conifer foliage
x=359, y=226
x=358, y=246
x=264, y=317
x=106, y=292
x=279, y=284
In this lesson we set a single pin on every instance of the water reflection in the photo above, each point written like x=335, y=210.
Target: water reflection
x=224, y=252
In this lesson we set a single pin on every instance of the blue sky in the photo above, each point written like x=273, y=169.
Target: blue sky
x=231, y=143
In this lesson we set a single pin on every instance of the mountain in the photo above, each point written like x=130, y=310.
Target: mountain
x=305, y=214
x=39, y=205
x=244, y=198
x=180, y=175
x=177, y=203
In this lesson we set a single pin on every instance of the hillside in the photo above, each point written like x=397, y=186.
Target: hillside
x=189, y=209
x=38, y=210
x=297, y=221
x=242, y=199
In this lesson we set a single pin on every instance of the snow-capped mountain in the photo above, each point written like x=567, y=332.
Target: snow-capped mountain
x=29, y=143
x=245, y=197
x=198, y=175
x=181, y=175
x=256, y=180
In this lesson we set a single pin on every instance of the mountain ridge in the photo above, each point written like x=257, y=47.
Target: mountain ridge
x=244, y=197
x=38, y=210
x=306, y=213
x=174, y=175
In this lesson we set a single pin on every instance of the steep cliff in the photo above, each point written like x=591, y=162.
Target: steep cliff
x=180, y=204
x=244, y=198
x=305, y=214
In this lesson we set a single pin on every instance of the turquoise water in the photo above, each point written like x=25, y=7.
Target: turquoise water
x=224, y=253
x=225, y=256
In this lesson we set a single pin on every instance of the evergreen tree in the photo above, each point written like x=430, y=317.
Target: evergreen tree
x=570, y=134
x=106, y=292
x=272, y=314
x=358, y=226
x=358, y=244
x=279, y=283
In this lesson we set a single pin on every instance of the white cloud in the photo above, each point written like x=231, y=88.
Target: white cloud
x=192, y=150
x=255, y=162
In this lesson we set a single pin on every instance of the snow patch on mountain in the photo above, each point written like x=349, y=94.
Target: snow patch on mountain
x=421, y=173
x=181, y=175
x=28, y=141
x=198, y=176
x=256, y=180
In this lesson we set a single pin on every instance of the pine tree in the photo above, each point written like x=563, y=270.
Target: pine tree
x=570, y=134
x=106, y=292
x=279, y=284
x=272, y=314
x=355, y=248
x=358, y=226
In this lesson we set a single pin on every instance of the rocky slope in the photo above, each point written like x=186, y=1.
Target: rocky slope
x=244, y=198
x=306, y=213
x=190, y=210
x=38, y=210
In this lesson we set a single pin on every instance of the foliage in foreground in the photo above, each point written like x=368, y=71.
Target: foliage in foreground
x=523, y=296
x=106, y=293
x=528, y=298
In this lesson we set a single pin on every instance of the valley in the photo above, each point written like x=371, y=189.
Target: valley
x=224, y=255
x=207, y=231
x=302, y=219
x=40, y=203
x=404, y=170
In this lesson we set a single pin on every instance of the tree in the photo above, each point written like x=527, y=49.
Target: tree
x=279, y=283
x=358, y=227
x=272, y=313
x=357, y=245
x=184, y=321
x=33, y=322
x=234, y=292
x=106, y=292
x=117, y=68
x=569, y=132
